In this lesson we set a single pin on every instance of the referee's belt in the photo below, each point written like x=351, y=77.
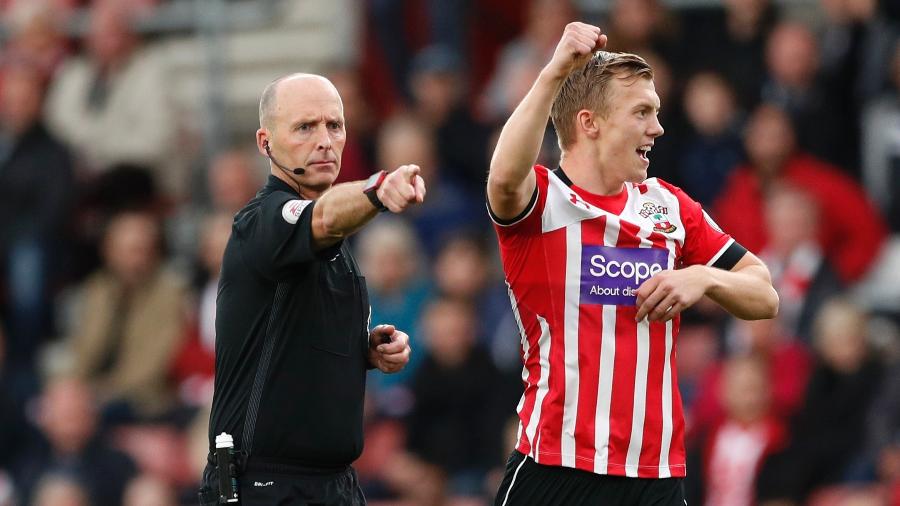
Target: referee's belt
x=261, y=465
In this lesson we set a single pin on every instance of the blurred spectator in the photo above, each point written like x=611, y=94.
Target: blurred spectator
x=744, y=437
x=731, y=39
x=70, y=443
x=197, y=442
x=520, y=60
x=463, y=271
x=451, y=399
x=35, y=203
x=130, y=321
x=800, y=272
x=881, y=146
x=232, y=180
x=883, y=432
x=448, y=210
x=857, y=46
x=146, y=490
x=788, y=365
x=124, y=187
x=194, y=365
x=643, y=26
x=400, y=27
x=111, y=105
x=713, y=149
x=391, y=256
x=698, y=348
x=12, y=422
x=35, y=35
x=827, y=435
x=851, y=231
x=358, y=157
x=667, y=149
x=7, y=490
x=794, y=84
x=438, y=89
x=59, y=489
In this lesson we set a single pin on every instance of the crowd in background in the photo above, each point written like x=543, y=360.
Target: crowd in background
x=785, y=127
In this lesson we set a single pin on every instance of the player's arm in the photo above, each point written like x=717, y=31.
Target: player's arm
x=745, y=291
x=511, y=182
x=344, y=209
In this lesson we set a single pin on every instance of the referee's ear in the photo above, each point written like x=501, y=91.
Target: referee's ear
x=262, y=140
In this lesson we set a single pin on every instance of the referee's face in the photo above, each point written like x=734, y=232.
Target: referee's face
x=629, y=130
x=309, y=131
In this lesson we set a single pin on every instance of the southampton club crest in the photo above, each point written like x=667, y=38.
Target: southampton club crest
x=659, y=215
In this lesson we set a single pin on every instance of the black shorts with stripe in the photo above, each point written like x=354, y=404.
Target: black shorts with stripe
x=528, y=483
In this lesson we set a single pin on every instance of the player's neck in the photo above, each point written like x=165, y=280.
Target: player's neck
x=584, y=171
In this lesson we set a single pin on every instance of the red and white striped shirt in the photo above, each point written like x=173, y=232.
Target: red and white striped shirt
x=601, y=389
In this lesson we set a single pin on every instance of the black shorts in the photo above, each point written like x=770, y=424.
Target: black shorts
x=529, y=483
x=266, y=488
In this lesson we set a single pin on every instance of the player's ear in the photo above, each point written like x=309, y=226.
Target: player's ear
x=586, y=121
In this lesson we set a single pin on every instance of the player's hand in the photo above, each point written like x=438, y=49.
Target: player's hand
x=402, y=188
x=388, y=348
x=575, y=48
x=670, y=292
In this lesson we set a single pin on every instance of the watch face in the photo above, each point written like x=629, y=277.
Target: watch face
x=374, y=181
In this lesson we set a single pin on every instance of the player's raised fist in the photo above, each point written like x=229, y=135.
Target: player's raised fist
x=575, y=48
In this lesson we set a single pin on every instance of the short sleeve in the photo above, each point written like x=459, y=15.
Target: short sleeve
x=529, y=220
x=278, y=234
x=705, y=243
x=520, y=238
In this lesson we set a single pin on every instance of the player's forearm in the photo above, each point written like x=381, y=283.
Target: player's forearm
x=520, y=140
x=746, y=293
x=340, y=212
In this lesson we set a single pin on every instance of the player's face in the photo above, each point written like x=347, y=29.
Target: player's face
x=309, y=130
x=629, y=130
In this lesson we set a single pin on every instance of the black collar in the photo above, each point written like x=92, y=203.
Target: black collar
x=275, y=184
x=562, y=176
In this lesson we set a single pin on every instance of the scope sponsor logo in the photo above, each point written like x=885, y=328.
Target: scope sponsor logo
x=612, y=275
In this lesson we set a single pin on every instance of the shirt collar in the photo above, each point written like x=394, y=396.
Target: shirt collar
x=275, y=184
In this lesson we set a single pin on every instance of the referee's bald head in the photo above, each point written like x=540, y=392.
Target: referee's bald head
x=268, y=101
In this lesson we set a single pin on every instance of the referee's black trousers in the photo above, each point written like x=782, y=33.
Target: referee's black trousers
x=270, y=487
x=528, y=483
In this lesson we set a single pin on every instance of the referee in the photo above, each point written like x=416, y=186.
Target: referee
x=292, y=333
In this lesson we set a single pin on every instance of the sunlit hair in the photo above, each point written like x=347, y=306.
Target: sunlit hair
x=589, y=88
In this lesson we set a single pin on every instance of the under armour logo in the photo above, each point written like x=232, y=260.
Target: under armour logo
x=573, y=198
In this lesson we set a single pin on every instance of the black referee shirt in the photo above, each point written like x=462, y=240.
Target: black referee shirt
x=315, y=309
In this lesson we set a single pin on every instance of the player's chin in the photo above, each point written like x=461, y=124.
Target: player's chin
x=638, y=176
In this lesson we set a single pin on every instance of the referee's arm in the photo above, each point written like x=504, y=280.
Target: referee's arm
x=344, y=209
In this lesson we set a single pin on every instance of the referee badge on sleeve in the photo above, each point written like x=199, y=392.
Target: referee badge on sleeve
x=292, y=209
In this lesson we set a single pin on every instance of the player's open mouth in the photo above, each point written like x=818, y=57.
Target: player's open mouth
x=643, y=151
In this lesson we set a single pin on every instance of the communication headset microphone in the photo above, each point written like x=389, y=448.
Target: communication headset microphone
x=298, y=171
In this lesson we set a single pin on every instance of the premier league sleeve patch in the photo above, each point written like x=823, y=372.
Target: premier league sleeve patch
x=292, y=209
x=612, y=275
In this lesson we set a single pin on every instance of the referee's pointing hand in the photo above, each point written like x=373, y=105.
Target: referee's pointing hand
x=388, y=348
x=402, y=188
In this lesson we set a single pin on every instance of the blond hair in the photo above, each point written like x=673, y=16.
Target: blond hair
x=588, y=88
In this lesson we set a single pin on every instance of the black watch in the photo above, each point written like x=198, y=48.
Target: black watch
x=371, y=190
